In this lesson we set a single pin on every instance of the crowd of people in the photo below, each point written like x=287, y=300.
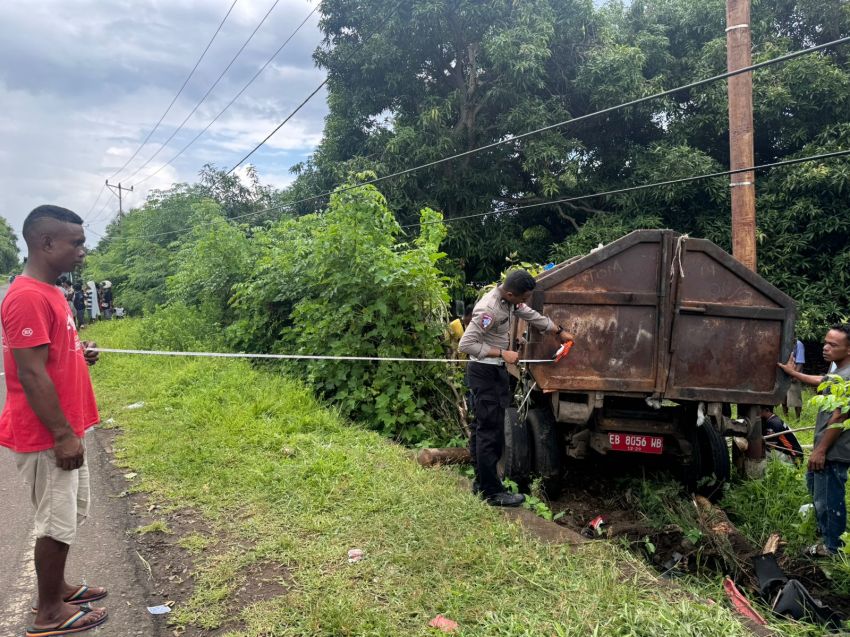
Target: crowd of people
x=89, y=302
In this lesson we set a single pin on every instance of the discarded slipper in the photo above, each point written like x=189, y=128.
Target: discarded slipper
x=83, y=595
x=74, y=624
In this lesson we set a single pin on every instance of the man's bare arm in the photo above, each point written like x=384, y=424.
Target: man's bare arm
x=44, y=401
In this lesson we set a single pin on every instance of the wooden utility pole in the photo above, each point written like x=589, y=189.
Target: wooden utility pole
x=738, y=55
x=119, y=188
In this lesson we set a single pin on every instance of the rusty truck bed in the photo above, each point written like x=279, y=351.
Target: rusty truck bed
x=658, y=313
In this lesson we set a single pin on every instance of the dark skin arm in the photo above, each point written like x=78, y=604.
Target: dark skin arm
x=790, y=368
x=42, y=397
x=818, y=458
x=91, y=357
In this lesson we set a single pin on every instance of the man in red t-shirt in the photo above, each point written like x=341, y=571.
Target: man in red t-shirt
x=49, y=406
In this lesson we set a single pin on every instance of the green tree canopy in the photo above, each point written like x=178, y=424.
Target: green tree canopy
x=10, y=256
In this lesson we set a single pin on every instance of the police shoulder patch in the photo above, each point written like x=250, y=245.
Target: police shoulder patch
x=486, y=321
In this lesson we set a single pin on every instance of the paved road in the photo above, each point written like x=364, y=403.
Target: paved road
x=103, y=556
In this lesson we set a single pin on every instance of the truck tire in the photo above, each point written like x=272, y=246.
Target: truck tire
x=516, y=454
x=711, y=467
x=547, y=449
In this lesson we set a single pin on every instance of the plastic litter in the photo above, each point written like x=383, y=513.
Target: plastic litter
x=595, y=528
x=740, y=603
x=444, y=623
x=355, y=555
x=138, y=405
x=159, y=610
x=806, y=510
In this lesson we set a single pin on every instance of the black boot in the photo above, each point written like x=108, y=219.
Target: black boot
x=505, y=499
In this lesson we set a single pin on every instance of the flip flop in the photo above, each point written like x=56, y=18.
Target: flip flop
x=83, y=595
x=68, y=627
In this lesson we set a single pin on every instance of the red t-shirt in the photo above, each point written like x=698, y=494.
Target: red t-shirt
x=35, y=313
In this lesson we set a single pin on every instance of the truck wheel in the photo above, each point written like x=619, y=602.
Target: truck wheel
x=516, y=454
x=711, y=467
x=547, y=449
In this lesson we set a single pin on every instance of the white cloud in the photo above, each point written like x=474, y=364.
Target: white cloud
x=83, y=82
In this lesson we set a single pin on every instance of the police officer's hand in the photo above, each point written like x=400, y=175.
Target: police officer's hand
x=510, y=357
x=566, y=337
x=68, y=450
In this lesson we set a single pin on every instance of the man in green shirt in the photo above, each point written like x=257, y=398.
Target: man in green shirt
x=830, y=458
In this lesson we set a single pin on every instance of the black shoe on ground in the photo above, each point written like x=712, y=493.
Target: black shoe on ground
x=476, y=488
x=506, y=499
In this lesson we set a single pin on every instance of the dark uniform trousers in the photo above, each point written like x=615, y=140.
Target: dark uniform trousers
x=491, y=393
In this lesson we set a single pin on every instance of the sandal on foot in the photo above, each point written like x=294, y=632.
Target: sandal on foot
x=69, y=626
x=83, y=595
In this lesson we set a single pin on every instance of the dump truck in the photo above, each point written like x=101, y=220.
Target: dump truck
x=670, y=332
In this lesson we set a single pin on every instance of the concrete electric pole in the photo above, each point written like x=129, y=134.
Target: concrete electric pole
x=119, y=189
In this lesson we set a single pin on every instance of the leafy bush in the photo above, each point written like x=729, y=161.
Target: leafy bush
x=343, y=284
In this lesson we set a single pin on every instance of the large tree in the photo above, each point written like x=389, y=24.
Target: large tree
x=10, y=256
x=410, y=83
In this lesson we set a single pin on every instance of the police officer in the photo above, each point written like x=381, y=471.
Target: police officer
x=486, y=342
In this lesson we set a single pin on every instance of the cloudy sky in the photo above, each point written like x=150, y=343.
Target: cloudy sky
x=83, y=82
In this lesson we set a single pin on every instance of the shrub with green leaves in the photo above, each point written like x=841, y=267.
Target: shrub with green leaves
x=345, y=283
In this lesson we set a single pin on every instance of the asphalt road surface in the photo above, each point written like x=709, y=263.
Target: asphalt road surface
x=102, y=556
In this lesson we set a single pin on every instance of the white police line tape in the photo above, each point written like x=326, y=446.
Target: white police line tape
x=380, y=359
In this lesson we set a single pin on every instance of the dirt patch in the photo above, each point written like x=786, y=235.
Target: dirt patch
x=672, y=551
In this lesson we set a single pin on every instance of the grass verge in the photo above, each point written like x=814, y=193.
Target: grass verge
x=292, y=484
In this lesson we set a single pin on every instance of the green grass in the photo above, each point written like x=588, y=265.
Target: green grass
x=283, y=480
x=762, y=507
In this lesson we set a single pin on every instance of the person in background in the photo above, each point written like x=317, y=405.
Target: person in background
x=79, y=305
x=487, y=343
x=794, y=396
x=830, y=458
x=457, y=327
x=786, y=442
x=106, y=299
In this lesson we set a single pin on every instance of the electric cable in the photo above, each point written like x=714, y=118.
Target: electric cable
x=230, y=103
x=513, y=138
x=209, y=90
x=179, y=92
x=619, y=191
x=311, y=95
x=715, y=78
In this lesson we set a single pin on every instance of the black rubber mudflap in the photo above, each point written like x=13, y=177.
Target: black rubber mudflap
x=712, y=467
x=547, y=449
x=516, y=455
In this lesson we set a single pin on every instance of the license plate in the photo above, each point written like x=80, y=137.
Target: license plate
x=636, y=443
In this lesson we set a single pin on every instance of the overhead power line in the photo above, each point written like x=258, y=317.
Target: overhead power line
x=316, y=90
x=611, y=109
x=209, y=90
x=230, y=103
x=619, y=191
x=99, y=195
x=179, y=92
x=657, y=184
